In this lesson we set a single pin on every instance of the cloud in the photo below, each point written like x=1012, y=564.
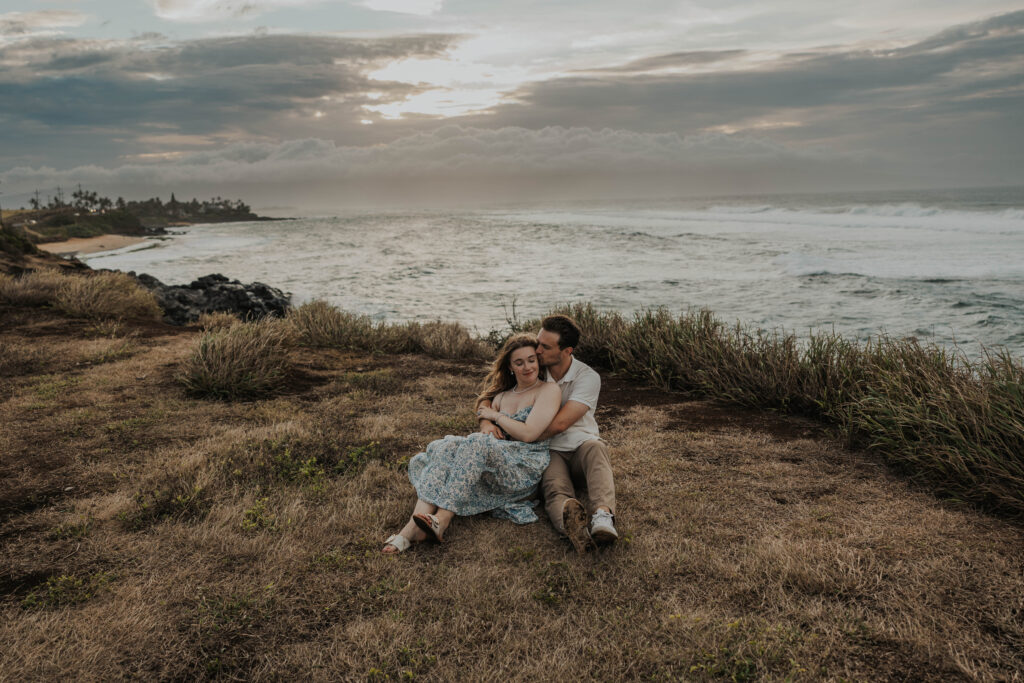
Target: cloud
x=674, y=60
x=216, y=10
x=270, y=86
x=857, y=79
x=421, y=7
x=461, y=164
x=21, y=23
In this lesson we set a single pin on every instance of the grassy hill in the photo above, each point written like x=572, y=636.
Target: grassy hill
x=150, y=532
x=19, y=254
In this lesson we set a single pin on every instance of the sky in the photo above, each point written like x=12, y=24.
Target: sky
x=330, y=103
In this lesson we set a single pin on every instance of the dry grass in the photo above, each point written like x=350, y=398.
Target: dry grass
x=318, y=324
x=97, y=295
x=35, y=288
x=150, y=535
x=953, y=424
x=244, y=360
x=219, y=320
x=107, y=295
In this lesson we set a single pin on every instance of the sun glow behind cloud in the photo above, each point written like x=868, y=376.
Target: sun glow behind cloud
x=467, y=80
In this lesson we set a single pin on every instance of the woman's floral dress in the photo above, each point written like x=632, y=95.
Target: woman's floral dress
x=476, y=473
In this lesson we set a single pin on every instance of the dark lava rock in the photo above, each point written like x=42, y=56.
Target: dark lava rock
x=214, y=293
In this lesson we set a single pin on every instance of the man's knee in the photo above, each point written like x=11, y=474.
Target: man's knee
x=556, y=478
x=593, y=452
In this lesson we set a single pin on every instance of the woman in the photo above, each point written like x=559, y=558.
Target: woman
x=467, y=475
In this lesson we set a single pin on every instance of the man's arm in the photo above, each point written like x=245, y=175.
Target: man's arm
x=569, y=415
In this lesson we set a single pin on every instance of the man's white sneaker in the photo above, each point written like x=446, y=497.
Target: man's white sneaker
x=602, y=528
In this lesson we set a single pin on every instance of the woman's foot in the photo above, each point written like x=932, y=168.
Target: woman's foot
x=409, y=535
x=431, y=526
x=396, y=544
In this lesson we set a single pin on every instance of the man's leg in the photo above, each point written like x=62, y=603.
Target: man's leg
x=596, y=467
x=556, y=484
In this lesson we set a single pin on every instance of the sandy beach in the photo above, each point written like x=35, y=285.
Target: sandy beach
x=90, y=245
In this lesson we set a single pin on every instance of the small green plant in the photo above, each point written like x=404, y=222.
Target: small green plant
x=175, y=500
x=67, y=530
x=557, y=584
x=66, y=590
x=114, y=352
x=356, y=457
x=51, y=386
x=258, y=518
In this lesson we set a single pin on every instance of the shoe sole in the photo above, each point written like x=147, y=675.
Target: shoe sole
x=426, y=528
x=574, y=519
x=602, y=537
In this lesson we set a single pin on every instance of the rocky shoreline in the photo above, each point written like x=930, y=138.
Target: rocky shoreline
x=215, y=293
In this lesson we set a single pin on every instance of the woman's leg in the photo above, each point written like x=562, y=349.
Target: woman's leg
x=412, y=532
x=444, y=518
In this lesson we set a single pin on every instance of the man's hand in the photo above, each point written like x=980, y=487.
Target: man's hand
x=488, y=427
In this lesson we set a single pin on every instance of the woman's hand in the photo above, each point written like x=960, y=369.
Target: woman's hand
x=492, y=429
x=488, y=414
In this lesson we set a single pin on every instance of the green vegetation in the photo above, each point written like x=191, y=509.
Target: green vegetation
x=90, y=215
x=14, y=244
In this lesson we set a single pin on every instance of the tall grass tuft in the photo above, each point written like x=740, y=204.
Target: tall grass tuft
x=35, y=288
x=106, y=295
x=217, y=320
x=246, y=360
x=319, y=324
x=954, y=424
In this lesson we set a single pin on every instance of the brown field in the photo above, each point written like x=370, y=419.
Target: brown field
x=148, y=534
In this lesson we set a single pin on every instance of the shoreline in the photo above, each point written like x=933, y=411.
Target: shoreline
x=90, y=245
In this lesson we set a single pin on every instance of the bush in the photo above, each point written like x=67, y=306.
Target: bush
x=449, y=340
x=245, y=360
x=106, y=295
x=14, y=244
x=319, y=324
x=35, y=288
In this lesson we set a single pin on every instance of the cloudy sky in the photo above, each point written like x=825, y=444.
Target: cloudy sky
x=332, y=102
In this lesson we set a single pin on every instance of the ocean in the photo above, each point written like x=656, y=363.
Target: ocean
x=943, y=266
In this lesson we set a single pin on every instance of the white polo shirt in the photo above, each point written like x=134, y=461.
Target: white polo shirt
x=582, y=384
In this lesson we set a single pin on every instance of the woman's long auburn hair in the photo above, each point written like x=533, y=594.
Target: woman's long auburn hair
x=500, y=377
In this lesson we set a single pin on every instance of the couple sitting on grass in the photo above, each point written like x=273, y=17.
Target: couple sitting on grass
x=536, y=426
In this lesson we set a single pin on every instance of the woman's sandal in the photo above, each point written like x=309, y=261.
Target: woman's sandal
x=399, y=542
x=430, y=525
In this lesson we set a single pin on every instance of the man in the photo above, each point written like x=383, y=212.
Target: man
x=577, y=452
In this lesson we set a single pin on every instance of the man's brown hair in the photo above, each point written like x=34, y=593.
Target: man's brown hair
x=566, y=328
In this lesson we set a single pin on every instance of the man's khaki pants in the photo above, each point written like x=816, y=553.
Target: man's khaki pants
x=589, y=466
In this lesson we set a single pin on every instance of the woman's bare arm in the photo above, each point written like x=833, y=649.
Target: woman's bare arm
x=543, y=411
